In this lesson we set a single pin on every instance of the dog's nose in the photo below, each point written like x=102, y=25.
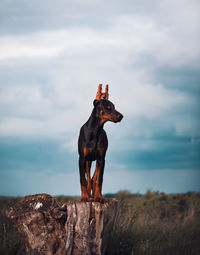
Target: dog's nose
x=120, y=117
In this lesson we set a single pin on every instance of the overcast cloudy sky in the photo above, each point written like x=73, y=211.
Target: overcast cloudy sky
x=53, y=55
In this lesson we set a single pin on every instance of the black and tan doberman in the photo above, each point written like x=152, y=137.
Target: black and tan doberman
x=93, y=143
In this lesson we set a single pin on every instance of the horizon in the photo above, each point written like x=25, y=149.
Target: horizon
x=110, y=195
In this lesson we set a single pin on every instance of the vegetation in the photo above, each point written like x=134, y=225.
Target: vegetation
x=154, y=223
x=10, y=240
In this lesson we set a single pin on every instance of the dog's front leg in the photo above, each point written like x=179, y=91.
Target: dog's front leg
x=98, y=180
x=83, y=182
x=88, y=166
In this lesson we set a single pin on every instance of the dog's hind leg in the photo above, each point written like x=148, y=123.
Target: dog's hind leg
x=93, y=182
x=82, y=169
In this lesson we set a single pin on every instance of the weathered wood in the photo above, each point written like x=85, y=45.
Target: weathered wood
x=74, y=228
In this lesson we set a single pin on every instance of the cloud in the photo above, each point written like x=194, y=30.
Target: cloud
x=53, y=91
x=124, y=33
x=36, y=155
x=52, y=58
x=50, y=43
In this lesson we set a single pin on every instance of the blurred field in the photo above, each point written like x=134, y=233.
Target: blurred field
x=154, y=223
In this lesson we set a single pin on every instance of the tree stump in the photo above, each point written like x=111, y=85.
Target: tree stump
x=74, y=228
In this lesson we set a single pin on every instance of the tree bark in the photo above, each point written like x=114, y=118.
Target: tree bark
x=72, y=229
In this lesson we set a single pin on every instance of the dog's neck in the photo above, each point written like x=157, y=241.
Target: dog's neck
x=94, y=124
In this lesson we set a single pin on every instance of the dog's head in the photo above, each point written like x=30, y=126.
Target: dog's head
x=105, y=109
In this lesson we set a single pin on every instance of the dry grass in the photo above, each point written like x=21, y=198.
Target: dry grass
x=157, y=223
x=152, y=224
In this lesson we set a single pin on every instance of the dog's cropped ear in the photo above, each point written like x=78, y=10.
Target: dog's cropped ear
x=96, y=102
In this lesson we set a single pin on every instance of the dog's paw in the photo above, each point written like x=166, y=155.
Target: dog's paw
x=85, y=197
x=99, y=199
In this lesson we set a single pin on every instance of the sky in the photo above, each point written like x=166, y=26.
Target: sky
x=53, y=55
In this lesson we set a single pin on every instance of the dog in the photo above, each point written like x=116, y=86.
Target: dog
x=93, y=144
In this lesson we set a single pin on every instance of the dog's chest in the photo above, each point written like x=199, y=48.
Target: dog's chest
x=93, y=149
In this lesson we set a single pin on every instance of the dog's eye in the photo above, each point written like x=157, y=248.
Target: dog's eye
x=108, y=107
